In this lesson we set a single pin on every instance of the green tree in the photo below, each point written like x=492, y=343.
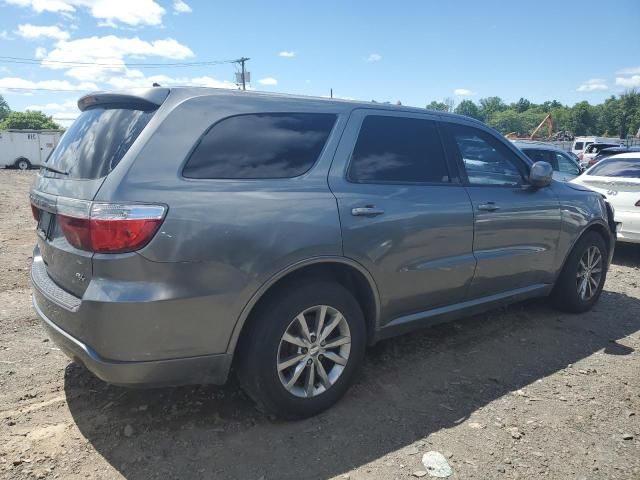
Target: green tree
x=522, y=105
x=491, y=105
x=468, y=108
x=4, y=108
x=584, y=119
x=439, y=106
x=29, y=120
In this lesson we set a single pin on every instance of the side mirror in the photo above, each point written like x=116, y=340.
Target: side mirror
x=541, y=174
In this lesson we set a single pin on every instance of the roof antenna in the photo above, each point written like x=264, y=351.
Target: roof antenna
x=155, y=84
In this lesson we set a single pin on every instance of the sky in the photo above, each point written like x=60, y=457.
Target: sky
x=413, y=51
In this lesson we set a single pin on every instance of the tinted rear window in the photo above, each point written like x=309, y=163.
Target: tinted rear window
x=266, y=145
x=398, y=150
x=96, y=142
x=578, y=146
x=624, y=167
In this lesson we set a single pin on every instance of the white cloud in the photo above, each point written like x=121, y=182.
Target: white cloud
x=40, y=52
x=463, y=92
x=287, y=54
x=20, y=85
x=629, y=71
x=268, y=81
x=32, y=32
x=109, y=53
x=63, y=113
x=129, y=12
x=593, y=85
x=629, y=82
x=181, y=7
x=4, y=35
x=374, y=57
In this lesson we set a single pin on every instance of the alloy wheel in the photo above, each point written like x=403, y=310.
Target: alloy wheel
x=314, y=351
x=589, y=273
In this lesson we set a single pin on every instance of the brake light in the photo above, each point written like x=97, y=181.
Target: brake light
x=35, y=211
x=111, y=228
x=581, y=155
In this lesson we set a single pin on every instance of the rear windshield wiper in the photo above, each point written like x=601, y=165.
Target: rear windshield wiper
x=55, y=170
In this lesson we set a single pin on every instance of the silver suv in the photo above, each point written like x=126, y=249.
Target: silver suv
x=182, y=232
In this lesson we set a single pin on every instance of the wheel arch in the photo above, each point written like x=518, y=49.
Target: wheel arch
x=345, y=271
x=597, y=227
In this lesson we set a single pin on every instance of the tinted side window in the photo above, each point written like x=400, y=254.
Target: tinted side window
x=266, y=145
x=398, y=150
x=485, y=159
x=578, y=146
x=566, y=165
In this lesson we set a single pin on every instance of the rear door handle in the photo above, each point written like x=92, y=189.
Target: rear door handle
x=368, y=211
x=488, y=207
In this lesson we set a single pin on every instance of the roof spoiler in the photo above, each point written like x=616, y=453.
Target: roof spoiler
x=144, y=99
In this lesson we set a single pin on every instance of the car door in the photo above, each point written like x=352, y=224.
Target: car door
x=403, y=215
x=516, y=226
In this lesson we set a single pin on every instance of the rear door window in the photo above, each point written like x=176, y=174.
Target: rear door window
x=393, y=149
x=95, y=143
x=265, y=145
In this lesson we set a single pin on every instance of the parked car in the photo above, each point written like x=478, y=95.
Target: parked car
x=587, y=158
x=618, y=178
x=25, y=149
x=565, y=168
x=580, y=143
x=183, y=230
x=608, y=152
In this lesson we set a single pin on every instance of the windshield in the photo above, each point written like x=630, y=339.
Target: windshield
x=96, y=142
x=623, y=167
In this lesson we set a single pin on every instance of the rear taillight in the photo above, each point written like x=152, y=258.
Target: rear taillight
x=35, y=211
x=109, y=227
x=581, y=155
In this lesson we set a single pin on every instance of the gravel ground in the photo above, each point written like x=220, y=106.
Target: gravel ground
x=521, y=392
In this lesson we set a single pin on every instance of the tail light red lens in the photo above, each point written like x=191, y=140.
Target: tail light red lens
x=35, y=211
x=581, y=155
x=110, y=228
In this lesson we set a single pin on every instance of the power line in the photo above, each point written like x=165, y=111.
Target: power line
x=35, y=61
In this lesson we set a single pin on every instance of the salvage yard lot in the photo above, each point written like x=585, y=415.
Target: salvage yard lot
x=521, y=392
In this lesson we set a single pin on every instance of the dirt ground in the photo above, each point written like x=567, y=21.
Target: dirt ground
x=523, y=392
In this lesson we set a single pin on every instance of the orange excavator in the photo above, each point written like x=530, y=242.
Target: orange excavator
x=548, y=121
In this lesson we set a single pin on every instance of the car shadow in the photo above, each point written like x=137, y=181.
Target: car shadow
x=410, y=387
x=627, y=255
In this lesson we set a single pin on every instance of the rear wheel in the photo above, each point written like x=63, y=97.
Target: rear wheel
x=580, y=283
x=302, y=349
x=23, y=164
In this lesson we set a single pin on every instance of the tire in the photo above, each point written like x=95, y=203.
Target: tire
x=566, y=295
x=263, y=348
x=22, y=164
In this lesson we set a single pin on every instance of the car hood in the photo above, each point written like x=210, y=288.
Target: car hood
x=577, y=186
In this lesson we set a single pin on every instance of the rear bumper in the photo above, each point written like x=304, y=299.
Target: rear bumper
x=177, y=371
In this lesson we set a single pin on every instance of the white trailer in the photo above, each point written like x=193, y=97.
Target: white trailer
x=24, y=149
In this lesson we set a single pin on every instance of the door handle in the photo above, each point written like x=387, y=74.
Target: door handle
x=368, y=211
x=488, y=207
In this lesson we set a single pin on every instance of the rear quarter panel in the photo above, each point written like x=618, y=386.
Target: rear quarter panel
x=233, y=235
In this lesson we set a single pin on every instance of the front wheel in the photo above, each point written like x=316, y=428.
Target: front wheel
x=303, y=349
x=580, y=283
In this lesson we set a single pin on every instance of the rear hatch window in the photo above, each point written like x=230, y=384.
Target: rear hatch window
x=96, y=142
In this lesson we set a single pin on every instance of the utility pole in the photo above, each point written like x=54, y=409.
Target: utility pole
x=243, y=77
